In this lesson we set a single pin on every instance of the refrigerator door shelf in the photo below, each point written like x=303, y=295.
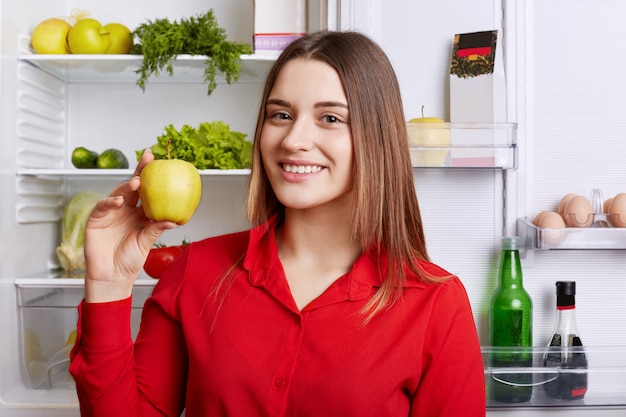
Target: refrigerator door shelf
x=581, y=238
x=603, y=378
x=463, y=145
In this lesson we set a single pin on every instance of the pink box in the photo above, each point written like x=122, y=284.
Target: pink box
x=277, y=23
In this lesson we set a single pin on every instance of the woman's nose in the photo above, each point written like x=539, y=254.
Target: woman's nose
x=299, y=136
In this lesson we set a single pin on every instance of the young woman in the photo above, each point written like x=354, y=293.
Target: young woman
x=327, y=306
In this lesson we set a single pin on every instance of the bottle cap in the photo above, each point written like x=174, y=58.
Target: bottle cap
x=565, y=293
x=510, y=243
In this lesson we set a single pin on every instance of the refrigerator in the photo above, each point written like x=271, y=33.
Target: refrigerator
x=562, y=132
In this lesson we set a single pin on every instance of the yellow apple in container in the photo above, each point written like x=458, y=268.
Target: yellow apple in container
x=170, y=190
x=428, y=132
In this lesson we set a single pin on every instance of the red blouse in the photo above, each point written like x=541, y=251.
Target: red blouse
x=259, y=356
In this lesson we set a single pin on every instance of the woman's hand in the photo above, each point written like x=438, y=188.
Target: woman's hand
x=118, y=237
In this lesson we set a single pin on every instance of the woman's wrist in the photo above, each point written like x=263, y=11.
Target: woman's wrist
x=105, y=291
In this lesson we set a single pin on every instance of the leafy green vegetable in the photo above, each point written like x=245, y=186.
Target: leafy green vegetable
x=160, y=41
x=210, y=146
x=71, y=252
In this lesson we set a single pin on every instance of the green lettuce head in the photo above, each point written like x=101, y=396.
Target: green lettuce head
x=71, y=251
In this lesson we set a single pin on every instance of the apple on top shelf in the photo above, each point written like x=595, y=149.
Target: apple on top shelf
x=86, y=36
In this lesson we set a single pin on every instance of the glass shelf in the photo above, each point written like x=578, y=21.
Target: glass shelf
x=94, y=68
x=122, y=68
x=584, y=238
x=605, y=374
x=463, y=145
x=75, y=173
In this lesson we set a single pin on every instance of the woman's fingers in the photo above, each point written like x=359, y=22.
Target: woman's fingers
x=152, y=231
x=127, y=191
x=146, y=157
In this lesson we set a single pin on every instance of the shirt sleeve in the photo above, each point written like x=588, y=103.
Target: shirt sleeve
x=116, y=377
x=453, y=381
x=101, y=359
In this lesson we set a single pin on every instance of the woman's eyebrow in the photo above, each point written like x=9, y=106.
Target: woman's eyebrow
x=331, y=104
x=285, y=103
x=278, y=102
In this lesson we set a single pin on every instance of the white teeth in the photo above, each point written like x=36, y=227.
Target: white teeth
x=301, y=169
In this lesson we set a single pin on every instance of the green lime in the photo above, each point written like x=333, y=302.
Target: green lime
x=84, y=158
x=112, y=159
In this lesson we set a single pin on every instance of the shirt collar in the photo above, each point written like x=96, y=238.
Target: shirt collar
x=361, y=282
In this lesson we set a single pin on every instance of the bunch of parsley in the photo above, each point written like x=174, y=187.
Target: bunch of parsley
x=210, y=146
x=161, y=41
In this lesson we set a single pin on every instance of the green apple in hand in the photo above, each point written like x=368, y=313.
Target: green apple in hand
x=170, y=190
x=88, y=36
x=426, y=132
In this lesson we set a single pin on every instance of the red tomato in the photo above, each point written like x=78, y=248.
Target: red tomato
x=159, y=258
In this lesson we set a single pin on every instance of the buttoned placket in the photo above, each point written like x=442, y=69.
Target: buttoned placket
x=270, y=275
x=288, y=358
x=267, y=272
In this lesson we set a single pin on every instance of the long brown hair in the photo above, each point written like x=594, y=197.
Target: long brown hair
x=386, y=212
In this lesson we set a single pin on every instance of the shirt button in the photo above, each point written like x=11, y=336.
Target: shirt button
x=280, y=382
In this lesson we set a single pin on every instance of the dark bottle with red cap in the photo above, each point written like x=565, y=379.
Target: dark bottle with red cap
x=565, y=351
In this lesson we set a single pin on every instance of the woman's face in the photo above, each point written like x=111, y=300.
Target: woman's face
x=306, y=142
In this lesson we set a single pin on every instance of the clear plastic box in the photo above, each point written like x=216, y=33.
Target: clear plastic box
x=47, y=322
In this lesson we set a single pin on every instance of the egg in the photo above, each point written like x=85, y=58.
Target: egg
x=578, y=212
x=551, y=224
x=551, y=220
x=606, y=205
x=617, y=211
x=564, y=201
x=538, y=217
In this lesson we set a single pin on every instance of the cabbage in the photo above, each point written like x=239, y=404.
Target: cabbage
x=71, y=251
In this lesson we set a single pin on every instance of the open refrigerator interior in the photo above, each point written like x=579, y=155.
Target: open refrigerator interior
x=53, y=104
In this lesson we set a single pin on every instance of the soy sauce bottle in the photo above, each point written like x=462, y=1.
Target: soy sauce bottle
x=565, y=350
x=510, y=325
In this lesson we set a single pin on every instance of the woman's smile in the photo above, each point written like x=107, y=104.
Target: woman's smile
x=301, y=169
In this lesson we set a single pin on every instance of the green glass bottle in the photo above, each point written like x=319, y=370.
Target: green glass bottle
x=510, y=325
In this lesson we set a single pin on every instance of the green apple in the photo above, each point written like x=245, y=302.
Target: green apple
x=88, y=36
x=170, y=190
x=425, y=132
x=120, y=38
x=50, y=37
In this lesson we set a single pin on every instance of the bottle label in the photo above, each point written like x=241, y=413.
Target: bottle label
x=570, y=383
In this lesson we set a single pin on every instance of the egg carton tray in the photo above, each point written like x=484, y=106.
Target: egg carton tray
x=595, y=237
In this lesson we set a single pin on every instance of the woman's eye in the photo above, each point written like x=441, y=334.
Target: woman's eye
x=329, y=118
x=280, y=116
